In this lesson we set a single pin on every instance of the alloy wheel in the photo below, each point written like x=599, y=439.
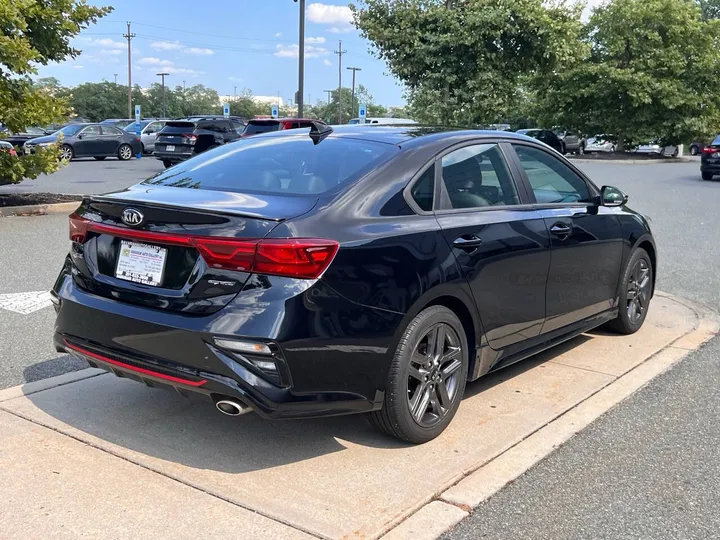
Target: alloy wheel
x=125, y=152
x=638, y=291
x=433, y=375
x=65, y=153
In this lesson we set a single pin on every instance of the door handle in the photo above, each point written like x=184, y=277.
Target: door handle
x=467, y=241
x=560, y=230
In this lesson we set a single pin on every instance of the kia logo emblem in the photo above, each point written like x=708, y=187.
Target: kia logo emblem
x=132, y=217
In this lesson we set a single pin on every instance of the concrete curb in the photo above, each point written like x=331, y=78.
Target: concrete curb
x=39, y=209
x=481, y=483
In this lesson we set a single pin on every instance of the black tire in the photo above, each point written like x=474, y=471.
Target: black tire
x=124, y=152
x=395, y=418
x=706, y=175
x=628, y=320
x=694, y=150
x=581, y=149
x=167, y=164
x=100, y=158
x=66, y=152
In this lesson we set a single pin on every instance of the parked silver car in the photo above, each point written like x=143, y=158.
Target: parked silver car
x=149, y=130
x=653, y=147
x=600, y=143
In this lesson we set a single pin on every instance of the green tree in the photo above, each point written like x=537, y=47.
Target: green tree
x=35, y=33
x=461, y=60
x=244, y=105
x=652, y=71
x=98, y=101
x=339, y=111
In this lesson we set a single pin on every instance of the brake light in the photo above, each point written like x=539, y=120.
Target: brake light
x=191, y=137
x=291, y=257
x=709, y=150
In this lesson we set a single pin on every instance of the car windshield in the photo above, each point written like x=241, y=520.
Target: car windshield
x=71, y=129
x=291, y=165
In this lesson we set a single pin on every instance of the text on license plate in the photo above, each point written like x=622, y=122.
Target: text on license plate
x=141, y=263
x=170, y=148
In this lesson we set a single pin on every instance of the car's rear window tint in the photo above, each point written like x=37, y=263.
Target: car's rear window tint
x=716, y=142
x=179, y=127
x=253, y=128
x=279, y=165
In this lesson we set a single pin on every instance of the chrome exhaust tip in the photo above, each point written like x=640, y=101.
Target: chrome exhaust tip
x=232, y=408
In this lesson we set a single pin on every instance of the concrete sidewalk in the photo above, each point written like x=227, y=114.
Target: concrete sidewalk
x=87, y=454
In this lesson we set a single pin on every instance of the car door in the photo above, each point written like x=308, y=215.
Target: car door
x=572, y=141
x=500, y=243
x=88, y=142
x=586, y=238
x=150, y=134
x=112, y=137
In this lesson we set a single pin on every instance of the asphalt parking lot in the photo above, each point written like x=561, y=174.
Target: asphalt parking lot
x=644, y=470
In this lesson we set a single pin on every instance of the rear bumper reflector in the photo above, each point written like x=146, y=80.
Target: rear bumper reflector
x=136, y=369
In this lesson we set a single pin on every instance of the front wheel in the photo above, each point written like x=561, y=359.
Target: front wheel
x=124, y=152
x=637, y=286
x=427, y=378
x=66, y=153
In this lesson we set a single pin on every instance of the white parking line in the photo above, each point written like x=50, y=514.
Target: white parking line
x=25, y=303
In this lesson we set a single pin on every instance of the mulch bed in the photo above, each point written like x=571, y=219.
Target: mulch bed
x=24, y=199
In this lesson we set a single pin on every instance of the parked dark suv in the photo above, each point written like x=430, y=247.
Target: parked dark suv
x=182, y=139
x=546, y=136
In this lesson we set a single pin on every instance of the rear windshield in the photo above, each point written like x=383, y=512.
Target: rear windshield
x=254, y=128
x=716, y=142
x=280, y=165
x=182, y=126
x=131, y=126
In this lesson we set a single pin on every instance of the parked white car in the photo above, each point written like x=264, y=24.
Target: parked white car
x=149, y=130
x=384, y=121
x=653, y=147
x=600, y=143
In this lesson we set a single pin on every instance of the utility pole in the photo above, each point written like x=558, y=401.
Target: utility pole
x=115, y=74
x=352, y=99
x=301, y=60
x=183, y=87
x=235, y=92
x=340, y=53
x=129, y=37
x=328, y=93
x=163, y=75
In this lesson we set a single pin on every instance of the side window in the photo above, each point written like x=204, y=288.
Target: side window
x=109, y=130
x=91, y=131
x=477, y=176
x=423, y=190
x=152, y=128
x=550, y=179
x=210, y=126
x=239, y=126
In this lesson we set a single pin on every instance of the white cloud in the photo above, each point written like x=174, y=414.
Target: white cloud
x=110, y=52
x=166, y=45
x=327, y=62
x=311, y=40
x=278, y=34
x=182, y=71
x=340, y=29
x=199, y=51
x=107, y=43
x=292, y=51
x=152, y=61
x=325, y=14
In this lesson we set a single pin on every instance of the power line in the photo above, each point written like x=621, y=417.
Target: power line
x=340, y=53
x=184, y=31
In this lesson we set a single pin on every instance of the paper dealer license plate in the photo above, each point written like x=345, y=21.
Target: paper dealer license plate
x=141, y=263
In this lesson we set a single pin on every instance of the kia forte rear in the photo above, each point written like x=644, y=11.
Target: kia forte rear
x=377, y=270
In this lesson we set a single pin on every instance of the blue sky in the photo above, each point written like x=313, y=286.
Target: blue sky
x=244, y=43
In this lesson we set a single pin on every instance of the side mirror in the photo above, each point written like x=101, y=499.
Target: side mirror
x=612, y=196
x=80, y=136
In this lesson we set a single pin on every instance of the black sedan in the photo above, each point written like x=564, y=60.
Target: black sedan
x=19, y=139
x=361, y=270
x=89, y=140
x=710, y=160
x=546, y=136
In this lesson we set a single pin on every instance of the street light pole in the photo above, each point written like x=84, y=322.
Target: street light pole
x=301, y=60
x=352, y=99
x=115, y=74
x=163, y=75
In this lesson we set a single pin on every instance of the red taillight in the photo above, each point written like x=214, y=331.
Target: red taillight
x=292, y=257
x=13, y=152
x=191, y=137
x=709, y=150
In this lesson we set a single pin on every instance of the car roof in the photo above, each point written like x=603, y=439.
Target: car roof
x=401, y=135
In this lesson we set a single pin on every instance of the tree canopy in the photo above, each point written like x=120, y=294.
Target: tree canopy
x=33, y=33
x=652, y=70
x=466, y=57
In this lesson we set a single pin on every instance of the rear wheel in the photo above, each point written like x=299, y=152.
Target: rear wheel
x=427, y=378
x=100, y=158
x=707, y=175
x=694, y=150
x=124, y=152
x=581, y=149
x=637, y=283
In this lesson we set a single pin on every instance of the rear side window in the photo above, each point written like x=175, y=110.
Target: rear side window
x=290, y=165
x=423, y=190
x=239, y=126
x=109, y=130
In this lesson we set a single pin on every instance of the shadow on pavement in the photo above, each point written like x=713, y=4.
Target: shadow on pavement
x=52, y=368
x=191, y=432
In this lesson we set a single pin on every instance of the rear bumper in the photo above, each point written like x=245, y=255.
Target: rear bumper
x=710, y=167
x=172, y=157
x=323, y=375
